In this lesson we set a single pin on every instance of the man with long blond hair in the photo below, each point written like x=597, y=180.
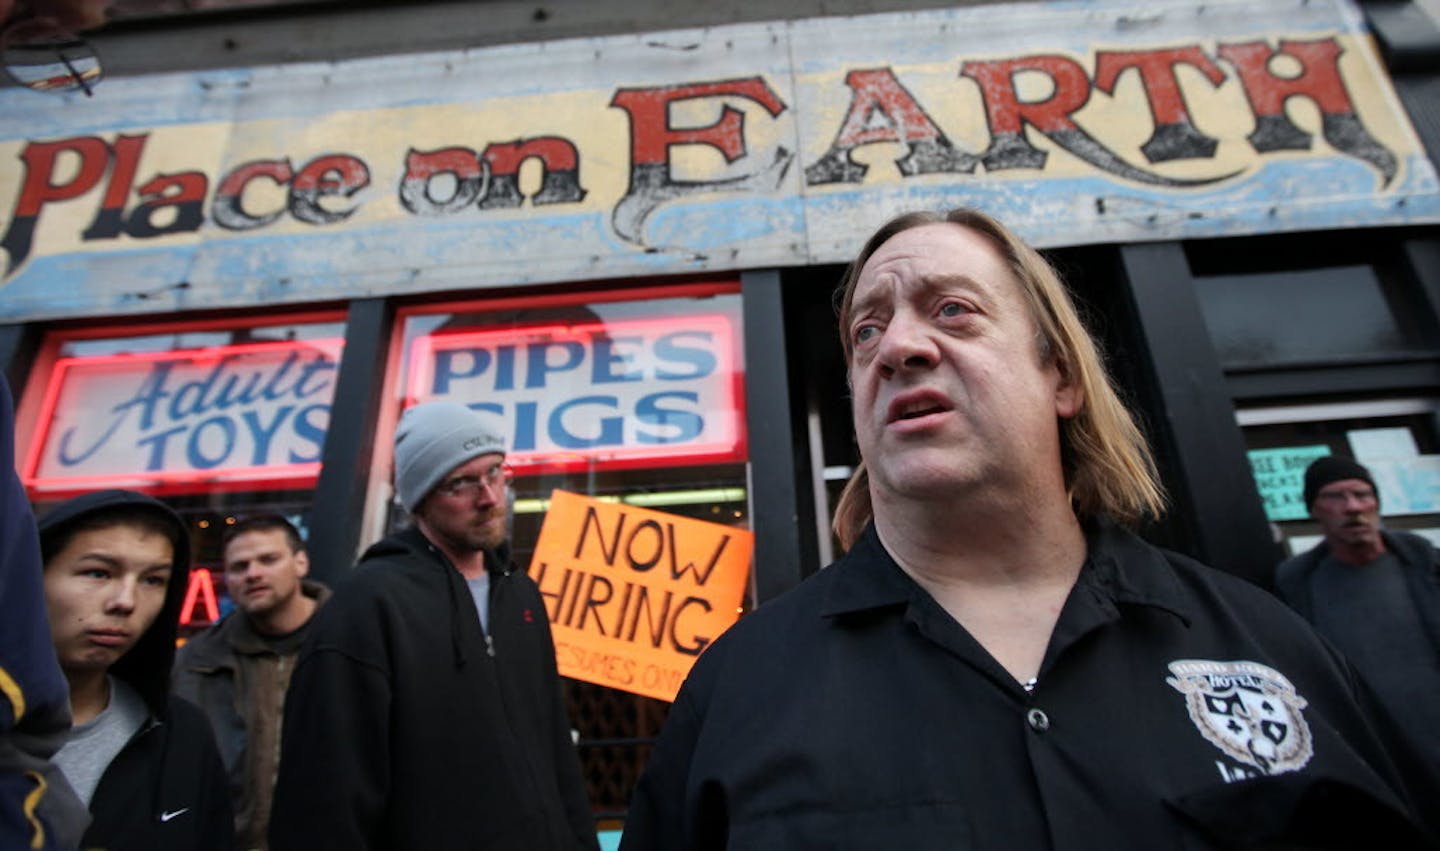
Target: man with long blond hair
x=996, y=661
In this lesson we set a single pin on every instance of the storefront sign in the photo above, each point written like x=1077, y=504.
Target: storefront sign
x=635, y=595
x=1280, y=478
x=596, y=395
x=200, y=593
x=725, y=148
x=1407, y=485
x=244, y=416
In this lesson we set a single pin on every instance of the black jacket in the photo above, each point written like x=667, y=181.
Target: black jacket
x=238, y=679
x=1418, y=557
x=166, y=789
x=1176, y=707
x=1415, y=746
x=35, y=704
x=406, y=726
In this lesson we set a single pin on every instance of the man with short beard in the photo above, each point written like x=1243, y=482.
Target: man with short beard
x=238, y=671
x=426, y=709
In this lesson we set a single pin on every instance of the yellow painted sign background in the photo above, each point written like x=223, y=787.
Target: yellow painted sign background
x=737, y=147
x=634, y=595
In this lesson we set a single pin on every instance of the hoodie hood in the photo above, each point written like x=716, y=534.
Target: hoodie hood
x=147, y=666
x=412, y=540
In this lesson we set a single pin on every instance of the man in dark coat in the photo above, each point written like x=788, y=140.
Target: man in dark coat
x=238, y=671
x=426, y=711
x=1375, y=593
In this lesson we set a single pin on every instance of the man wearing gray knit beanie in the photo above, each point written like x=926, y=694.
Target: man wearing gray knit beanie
x=426, y=710
x=1375, y=594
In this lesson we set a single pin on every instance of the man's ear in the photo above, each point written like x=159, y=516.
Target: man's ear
x=1069, y=395
x=302, y=563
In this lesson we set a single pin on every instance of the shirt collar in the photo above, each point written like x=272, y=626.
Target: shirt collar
x=1120, y=569
x=866, y=577
x=1128, y=571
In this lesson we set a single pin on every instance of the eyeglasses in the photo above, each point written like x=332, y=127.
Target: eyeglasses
x=498, y=476
x=1338, y=497
x=40, y=54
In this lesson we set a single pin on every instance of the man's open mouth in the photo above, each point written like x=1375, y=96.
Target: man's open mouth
x=915, y=408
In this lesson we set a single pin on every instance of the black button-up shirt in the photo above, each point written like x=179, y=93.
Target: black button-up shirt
x=1176, y=707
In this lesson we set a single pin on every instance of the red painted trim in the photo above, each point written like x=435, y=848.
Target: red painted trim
x=190, y=326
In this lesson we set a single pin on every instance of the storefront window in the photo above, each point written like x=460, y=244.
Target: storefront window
x=1396, y=439
x=631, y=395
x=220, y=419
x=1262, y=320
x=1342, y=297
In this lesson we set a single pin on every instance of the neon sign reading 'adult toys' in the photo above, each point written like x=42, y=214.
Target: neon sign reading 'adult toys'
x=255, y=413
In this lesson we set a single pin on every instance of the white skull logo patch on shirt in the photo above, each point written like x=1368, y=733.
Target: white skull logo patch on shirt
x=1249, y=711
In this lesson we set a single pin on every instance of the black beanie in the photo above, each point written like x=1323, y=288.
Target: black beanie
x=1333, y=468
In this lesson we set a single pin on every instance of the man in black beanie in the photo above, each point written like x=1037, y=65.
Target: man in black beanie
x=1375, y=593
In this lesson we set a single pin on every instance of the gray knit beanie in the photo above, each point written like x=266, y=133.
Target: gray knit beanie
x=434, y=438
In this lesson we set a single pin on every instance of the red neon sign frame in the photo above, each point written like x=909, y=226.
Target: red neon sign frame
x=200, y=590
x=235, y=478
x=423, y=350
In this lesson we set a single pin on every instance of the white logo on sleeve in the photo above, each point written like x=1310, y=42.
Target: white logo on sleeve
x=170, y=814
x=1249, y=711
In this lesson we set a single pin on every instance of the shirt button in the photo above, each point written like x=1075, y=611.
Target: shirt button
x=1038, y=720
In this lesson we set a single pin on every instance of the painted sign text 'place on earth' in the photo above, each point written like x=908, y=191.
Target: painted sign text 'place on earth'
x=776, y=144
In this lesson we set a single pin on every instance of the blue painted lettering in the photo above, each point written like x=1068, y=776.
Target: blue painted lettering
x=526, y=415
x=607, y=358
x=611, y=428
x=474, y=362
x=200, y=397
x=156, y=460
x=701, y=360
x=686, y=425
x=147, y=397
x=227, y=396
x=505, y=368
x=306, y=427
x=161, y=419
x=537, y=358
x=198, y=458
x=273, y=389
x=312, y=369
x=263, y=435
x=198, y=389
